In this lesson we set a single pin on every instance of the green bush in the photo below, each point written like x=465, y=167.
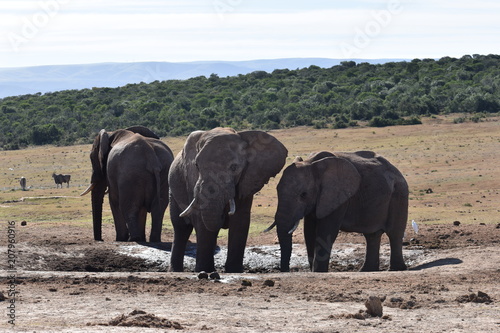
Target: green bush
x=45, y=134
x=396, y=93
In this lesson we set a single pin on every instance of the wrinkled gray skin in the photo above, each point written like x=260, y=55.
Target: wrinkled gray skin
x=214, y=167
x=354, y=192
x=133, y=165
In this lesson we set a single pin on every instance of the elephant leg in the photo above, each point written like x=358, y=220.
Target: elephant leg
x=122, y=233
x=310, y=237
x=206, y=241
x=239, y=224
x=397, y=219
x=326, y=234
x=157, y=214
x=136, y=223
x=397, y=261
x=182, y=231
x=372, y=255
x=327, y=230
x=137, y=226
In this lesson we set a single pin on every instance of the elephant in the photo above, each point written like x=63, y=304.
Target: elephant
x=349, y=191
x=22, y=182
x=212, y=184
x=132, y=165
x=60, y=179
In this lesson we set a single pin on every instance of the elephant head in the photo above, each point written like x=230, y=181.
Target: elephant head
x=103, y=143
x=318, y=186
x=228, y=165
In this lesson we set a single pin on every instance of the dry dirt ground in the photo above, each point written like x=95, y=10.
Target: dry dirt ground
x=66, y=282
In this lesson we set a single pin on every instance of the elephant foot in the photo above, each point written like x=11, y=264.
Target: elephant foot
x=176, y=269
x=369, y=269
x=176, y=264
x=233, y=269
x=398, y=267
x=122, y=237
x=137, y=239
x=205, y=269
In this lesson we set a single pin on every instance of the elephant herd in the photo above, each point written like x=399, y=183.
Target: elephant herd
x=211, y=182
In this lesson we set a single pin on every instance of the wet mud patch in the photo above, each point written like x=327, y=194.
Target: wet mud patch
x=104, y=259
x=135, y=257
x=100, y=260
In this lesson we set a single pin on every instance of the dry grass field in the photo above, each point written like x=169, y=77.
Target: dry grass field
x=69, y=283
x=458, y=162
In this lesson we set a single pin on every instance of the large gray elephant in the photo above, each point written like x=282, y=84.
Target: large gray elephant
x=212, y=183
x=354, y=192
x=132, y=164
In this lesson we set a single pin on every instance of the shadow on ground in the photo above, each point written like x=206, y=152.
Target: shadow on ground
x=437, y=263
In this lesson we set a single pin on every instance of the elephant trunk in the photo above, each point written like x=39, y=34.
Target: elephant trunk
x=213, y=218
x=287, y=219
x=213, y=201
x=97, y=201
x=285, y=239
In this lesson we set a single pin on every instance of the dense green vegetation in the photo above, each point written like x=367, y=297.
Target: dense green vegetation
x=340, y=96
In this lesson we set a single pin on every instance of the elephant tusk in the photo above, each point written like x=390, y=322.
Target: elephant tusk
x=232, y=207
x=90, y=188
x=294, y=227
x=188, y=210
x=270, y=227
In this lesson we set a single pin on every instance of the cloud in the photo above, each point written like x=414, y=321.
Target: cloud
x=129, y=30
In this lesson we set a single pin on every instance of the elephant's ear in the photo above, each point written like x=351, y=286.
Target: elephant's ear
x=144, y=131
x=104, y=146
x=190, y=148
x=339, y=181
x=266, y=156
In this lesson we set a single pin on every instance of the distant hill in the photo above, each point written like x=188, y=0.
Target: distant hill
x=345, y=95
x=43, y=79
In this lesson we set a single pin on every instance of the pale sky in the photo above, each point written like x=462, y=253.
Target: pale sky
x=52, y=32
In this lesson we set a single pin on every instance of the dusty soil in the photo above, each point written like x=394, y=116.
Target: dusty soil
x=68, y=283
